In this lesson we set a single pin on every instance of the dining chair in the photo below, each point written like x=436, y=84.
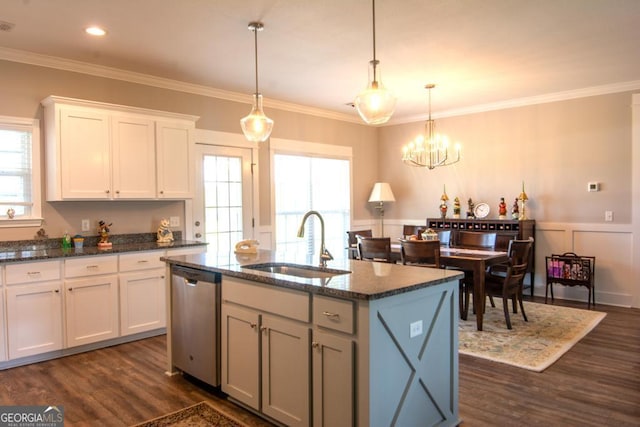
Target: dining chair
x=445, y=237
x=476, y=240
x=352, y=242
x=420, y=252
x=510, y=286
x=472, y=240
x=518, y=251
x=412, y=230
x=374, y=248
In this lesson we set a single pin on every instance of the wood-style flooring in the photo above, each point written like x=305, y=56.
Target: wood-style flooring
x=597, y=383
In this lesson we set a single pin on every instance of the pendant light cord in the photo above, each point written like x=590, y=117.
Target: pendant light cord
x=374, y=62
x=255, y=34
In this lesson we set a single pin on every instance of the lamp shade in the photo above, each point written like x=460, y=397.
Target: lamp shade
x=381, y=193
x=256, y=126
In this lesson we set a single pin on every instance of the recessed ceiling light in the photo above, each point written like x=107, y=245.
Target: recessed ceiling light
x=95, y=31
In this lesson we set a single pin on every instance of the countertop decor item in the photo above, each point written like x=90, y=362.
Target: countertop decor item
x=164, y=233
x=103, y=231
x=375, y=104
x=481, y=210
x=430, y=149
x=523, y=198
x=256, y=126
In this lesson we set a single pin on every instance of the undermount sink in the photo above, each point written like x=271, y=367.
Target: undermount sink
x=305, y=271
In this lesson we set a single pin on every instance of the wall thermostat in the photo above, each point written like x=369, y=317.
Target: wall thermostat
x=593, y=186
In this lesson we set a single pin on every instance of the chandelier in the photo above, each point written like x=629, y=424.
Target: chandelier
x=375, y=103
x=256, y=126
x=429, y=150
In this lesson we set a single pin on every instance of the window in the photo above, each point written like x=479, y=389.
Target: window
x=19, y=172
x=314, y=181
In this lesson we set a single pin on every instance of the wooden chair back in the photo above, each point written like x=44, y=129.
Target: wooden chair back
x=422, y=252
x=374, y=248
x=520, y=251
x=476, y=240
x=412, y=230
x=351, y=236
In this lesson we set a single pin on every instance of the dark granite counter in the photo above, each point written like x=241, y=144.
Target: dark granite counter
x=35, y=250
x=360, y=280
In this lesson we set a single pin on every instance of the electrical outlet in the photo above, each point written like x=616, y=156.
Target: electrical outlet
x=86, y=224
x=608, y=216
x=174, y=221
x=415, y=329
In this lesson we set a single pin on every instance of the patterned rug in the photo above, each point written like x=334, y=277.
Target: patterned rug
x=199, y=415
x=550, y=332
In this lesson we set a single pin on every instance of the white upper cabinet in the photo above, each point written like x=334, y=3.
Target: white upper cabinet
x=97, y=151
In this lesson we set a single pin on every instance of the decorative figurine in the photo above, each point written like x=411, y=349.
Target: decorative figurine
x=502, y=209
x=456, y=208
x=164, y=235
x=470, y=213
x=523, y=198
x=443, y=206
x=103, y=230
x=11, y=213
x=515, y=211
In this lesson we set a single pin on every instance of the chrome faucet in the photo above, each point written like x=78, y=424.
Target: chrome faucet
x=324, y=253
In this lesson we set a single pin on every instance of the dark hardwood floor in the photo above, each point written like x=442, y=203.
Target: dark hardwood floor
x=597, y=383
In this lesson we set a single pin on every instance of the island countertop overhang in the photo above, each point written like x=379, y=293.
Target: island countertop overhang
x=366, y=280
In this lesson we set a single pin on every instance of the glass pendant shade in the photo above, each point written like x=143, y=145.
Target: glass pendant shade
x=256, y=126
x=375, y=104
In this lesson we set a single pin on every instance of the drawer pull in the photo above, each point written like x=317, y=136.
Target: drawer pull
x=331, y=315
x=92, y=267
x=33, y=273
x=142, y=261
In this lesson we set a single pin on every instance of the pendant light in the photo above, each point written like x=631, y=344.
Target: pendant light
x=375, y=104
x=256, y=126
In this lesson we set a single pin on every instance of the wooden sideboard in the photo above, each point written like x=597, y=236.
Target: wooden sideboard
x=506, y=229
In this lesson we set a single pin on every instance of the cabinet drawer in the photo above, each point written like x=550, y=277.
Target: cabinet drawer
x=33, y=272
x=187, y=251
x=283, y=302
x=333, y=313
x=141, y=261
x=90, y=266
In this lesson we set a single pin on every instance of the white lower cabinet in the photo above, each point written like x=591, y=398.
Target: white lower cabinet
x=34, y=308
x=333, y=380
x=3, y=333
x=142, y=301
x=91, y=299
x=265, y=354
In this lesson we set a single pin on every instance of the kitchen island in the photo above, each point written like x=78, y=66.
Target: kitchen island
x=358, y=343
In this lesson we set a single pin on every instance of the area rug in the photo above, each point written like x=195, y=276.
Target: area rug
x=199, y=415
x=550, y=332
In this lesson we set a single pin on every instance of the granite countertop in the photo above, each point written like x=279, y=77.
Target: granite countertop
x=34, y=250
x=361, y=279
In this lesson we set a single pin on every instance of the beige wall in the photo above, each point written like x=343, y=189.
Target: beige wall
x=556, y=148
x=23, y=86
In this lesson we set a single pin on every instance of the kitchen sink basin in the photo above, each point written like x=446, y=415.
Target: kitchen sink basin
x=296, y=270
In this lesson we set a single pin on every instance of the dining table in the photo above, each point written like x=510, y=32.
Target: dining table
x=473, y=260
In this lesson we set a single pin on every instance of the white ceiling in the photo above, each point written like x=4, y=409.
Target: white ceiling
x=480, y=53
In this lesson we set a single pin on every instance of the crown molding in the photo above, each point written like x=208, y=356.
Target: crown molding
x=37, y=59
x=31, y=58
x=531, y=100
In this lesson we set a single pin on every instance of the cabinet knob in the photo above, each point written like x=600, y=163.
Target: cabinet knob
x=70, y=289
x=107, y=191
x=57, y=291
x=198, y=235
x=253, y=325
x=161, y=192
x=315, y=344
x=263, y=328
x=117, y=191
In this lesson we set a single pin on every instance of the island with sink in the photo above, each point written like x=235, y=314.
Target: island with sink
x=352, y=343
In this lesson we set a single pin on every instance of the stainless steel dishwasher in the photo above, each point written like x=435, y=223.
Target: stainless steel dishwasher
x=195, y=323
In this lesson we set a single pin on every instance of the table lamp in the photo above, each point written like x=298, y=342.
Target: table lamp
x=381, y=193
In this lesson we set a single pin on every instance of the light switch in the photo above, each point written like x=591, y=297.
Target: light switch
x=174, y=221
